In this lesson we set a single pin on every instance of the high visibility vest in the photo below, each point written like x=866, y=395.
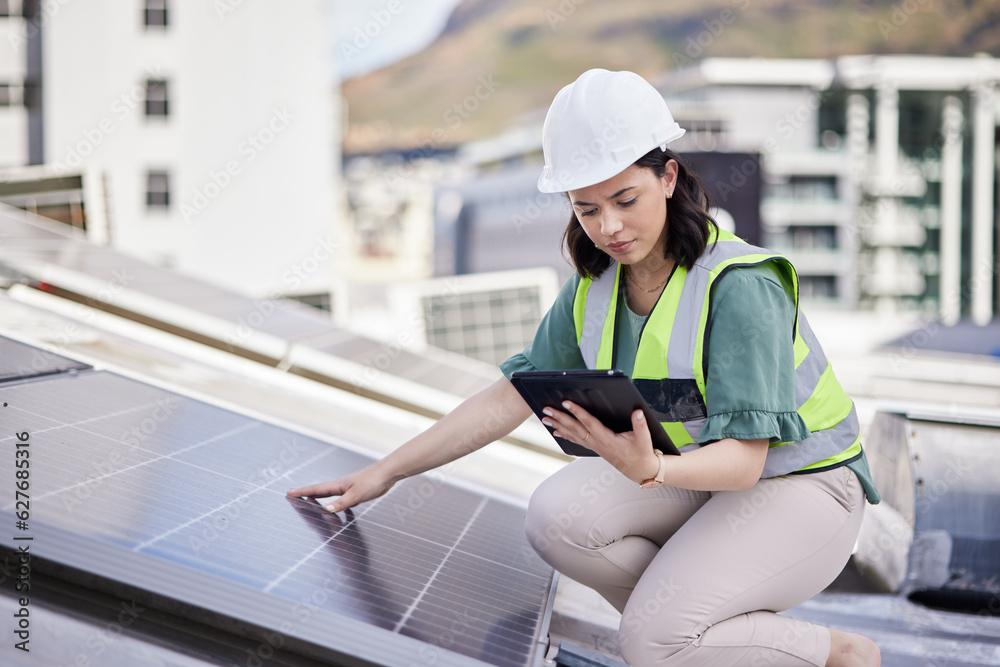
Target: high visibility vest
x=670, y=364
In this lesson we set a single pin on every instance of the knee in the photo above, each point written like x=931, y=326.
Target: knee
x=641, y=647
x=651, y=629
x=554, y=518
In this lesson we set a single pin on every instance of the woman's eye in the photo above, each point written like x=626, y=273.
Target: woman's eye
x=584, y=214
x=626, y=204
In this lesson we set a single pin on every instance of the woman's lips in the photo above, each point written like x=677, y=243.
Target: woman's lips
x=621, y=246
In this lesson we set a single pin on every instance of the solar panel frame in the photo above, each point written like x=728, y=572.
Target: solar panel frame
x=227, y=603
x=20, y=361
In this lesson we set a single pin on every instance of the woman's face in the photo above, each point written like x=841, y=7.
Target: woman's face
x=626, y=215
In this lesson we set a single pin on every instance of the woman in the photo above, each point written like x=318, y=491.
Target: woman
x=763, y=508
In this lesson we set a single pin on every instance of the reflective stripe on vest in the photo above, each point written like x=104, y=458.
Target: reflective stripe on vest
x=669, y=354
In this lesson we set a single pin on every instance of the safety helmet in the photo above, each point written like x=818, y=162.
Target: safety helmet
x=598, y=126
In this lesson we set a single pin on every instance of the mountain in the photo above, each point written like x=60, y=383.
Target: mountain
x=498, y=62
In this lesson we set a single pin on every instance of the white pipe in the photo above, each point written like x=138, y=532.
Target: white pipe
x=983, y=173
x=886, y=132
x=951, y=211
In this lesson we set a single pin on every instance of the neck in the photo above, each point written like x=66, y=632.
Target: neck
x=651, y=270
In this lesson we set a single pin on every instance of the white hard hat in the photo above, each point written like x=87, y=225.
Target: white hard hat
x=598, y=126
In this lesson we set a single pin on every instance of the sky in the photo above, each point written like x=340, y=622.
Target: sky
x=369, y=34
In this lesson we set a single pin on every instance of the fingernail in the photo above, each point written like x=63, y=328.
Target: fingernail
x=330, y=508
x=639, y=417
x=546, y=411
x=566, y=405
x=547, y=422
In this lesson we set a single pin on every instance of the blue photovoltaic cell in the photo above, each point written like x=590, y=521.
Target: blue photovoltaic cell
x=19, y=361
x=166, y=483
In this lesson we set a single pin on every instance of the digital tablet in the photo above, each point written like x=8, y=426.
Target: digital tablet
x=609, y=395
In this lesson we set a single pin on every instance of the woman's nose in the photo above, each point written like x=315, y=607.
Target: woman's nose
x=611, y=224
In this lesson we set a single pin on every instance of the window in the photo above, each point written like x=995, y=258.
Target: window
x=32, y=95
x=155, y=13
x=157, y=190
x=156, y=98
x=5, y=7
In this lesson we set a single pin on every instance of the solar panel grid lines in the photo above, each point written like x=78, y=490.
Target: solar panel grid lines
x=437, y=571
x=303, y=626
x=192, y=505
x=193, y=520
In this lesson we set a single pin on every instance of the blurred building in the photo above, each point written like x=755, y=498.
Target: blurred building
x=875, y=175
x=880, y=170
x=208, y=131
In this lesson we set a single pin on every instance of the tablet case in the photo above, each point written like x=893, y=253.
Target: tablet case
x=609, y=395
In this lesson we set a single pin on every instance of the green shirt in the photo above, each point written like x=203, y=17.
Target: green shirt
x=753, y=398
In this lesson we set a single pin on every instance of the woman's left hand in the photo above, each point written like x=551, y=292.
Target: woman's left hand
x=631, y=452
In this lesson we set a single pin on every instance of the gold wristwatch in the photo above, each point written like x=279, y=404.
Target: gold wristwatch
x=658, y=480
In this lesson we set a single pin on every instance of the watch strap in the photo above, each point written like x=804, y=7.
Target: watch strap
x=658, y=480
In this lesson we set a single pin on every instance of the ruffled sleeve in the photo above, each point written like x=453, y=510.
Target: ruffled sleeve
x=753, y=424
x=750, y=378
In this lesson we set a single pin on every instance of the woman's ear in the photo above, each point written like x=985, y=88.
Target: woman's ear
x=670, y=175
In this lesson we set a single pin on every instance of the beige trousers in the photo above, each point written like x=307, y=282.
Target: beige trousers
x=698, y=576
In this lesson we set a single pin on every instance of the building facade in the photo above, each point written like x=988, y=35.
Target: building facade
x=214, y=125
x=880, y=171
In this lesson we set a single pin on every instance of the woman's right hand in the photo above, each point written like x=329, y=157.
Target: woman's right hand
x=354, y=489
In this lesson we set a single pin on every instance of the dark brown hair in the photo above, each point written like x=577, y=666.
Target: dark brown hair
x=688, y=221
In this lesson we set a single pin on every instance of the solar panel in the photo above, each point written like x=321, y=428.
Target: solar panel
x=52, y=255
x=19, y=361
x=182, y=503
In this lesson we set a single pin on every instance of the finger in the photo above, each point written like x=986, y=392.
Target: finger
x=350, y=498
x=589, y=421
x=321, y=490
x=640, y=428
